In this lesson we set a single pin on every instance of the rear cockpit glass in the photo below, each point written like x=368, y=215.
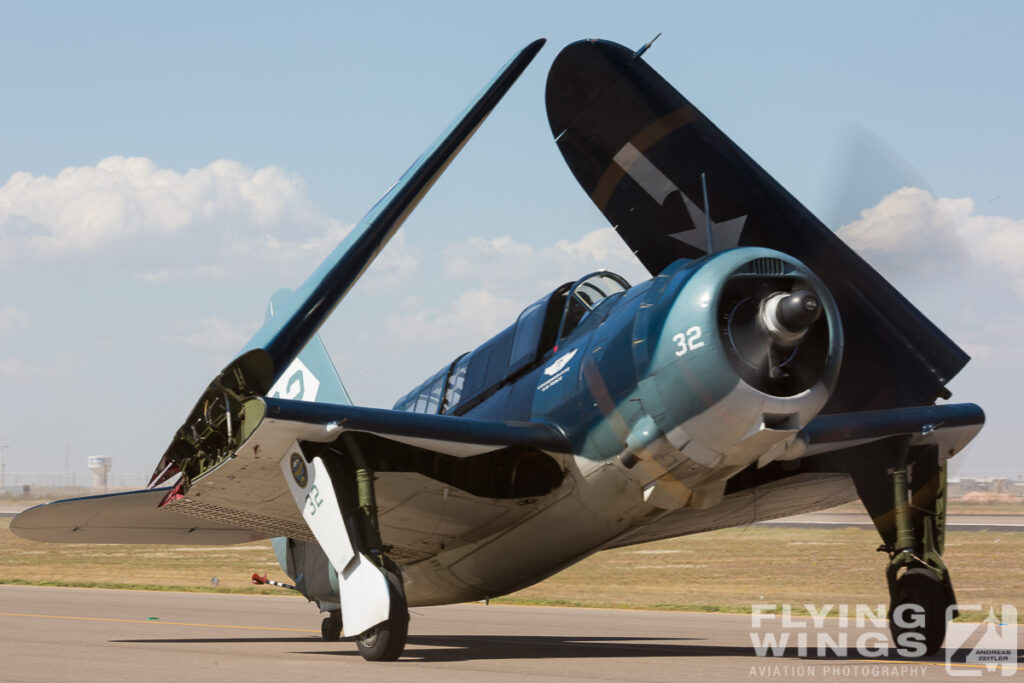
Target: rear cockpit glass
x=587, y=294
x=427, y=397
x=592, y=290
x=527, y=333
x=456, y=381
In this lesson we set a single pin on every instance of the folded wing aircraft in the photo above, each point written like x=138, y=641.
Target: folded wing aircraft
x=764, y=370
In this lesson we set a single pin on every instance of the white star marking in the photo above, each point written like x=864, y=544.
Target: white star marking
x=726, y=234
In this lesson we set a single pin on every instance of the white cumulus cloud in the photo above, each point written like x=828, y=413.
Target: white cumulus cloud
x=513, y=266
x=965, y=271
x=910, y=234
x=164, y=224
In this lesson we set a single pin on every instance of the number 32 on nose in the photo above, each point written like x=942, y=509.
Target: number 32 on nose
x=689, y=340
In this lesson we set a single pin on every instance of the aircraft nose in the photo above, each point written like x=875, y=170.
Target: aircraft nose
x=786, y=317
x=799, y=310
x=775, y=332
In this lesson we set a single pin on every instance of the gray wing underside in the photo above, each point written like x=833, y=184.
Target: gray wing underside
x=245, y=498
x=948, y=427
x=127, y=517
x=418, y=514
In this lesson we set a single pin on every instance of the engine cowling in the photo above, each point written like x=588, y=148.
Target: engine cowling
x=734, y=355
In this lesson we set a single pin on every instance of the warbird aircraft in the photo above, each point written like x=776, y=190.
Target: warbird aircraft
x=764, y=370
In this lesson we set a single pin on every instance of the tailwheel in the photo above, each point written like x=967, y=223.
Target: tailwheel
x=385, y=642
x=917, y=616
x=330, y=627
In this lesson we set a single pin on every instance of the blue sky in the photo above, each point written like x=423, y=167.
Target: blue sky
x=275, y=126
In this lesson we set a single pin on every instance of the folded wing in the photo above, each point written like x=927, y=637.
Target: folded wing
x=640, y=150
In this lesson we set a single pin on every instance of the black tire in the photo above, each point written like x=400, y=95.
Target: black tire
x=385, y=642
x=921, y=587
x=330, y=627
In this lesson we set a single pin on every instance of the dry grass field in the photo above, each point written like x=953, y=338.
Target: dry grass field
x=148, y=567
x=731, y=569
x=726, y=570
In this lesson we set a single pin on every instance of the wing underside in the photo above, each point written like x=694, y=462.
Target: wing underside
x=440, y=482
x=815, y=473
x=128, y=517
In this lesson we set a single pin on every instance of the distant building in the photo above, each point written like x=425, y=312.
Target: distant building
x=960, y=486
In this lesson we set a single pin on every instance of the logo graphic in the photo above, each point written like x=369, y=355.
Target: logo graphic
x=860, y=631
x=299, y=471
x=557, y=371
x=557, y=366
x=993, y=642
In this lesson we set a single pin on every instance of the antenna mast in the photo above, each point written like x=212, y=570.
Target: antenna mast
x=707, y=213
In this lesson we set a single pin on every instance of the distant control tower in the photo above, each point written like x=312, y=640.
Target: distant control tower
x=100, y=466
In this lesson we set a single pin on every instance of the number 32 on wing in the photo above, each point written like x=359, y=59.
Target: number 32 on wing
x=688, y=341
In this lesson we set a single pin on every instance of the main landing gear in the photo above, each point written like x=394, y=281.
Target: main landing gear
x=333, y=489
x=910, y=515
x=385, y=642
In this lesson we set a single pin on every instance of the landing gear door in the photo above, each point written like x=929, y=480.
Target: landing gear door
x=364, y=589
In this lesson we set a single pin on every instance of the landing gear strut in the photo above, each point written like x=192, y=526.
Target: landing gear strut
x=335, y=494
x=385, y=641
x=910, y=515
x=919, y=586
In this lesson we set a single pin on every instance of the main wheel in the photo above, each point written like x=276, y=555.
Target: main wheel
x=330, y=627
x=385, y=642
x=919, y=587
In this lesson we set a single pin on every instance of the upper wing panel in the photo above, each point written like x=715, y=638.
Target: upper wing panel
x=639, y=149
x=456, y=436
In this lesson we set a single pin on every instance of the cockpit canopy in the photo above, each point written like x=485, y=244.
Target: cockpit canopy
x=585, y=295
x=540, y=328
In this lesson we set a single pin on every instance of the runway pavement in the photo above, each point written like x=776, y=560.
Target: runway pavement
x=49, y=634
